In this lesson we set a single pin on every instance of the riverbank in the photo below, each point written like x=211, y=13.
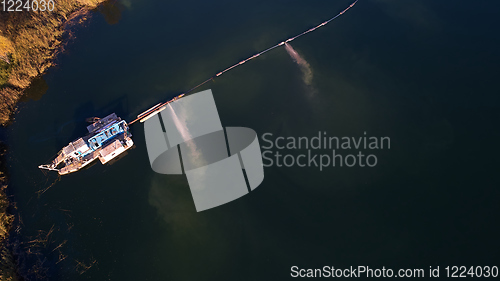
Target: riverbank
x=7, y=264
x=29, y=43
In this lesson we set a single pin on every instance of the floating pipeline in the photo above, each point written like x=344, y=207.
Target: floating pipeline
x=161, y=106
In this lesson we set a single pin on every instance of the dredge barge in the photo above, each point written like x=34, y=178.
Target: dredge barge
x=107, y=138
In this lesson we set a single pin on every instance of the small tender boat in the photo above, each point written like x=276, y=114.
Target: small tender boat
x=107, y=138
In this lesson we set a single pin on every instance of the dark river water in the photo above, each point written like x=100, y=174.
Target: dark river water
x=423, y=73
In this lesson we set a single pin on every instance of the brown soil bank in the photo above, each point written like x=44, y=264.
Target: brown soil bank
x=29, y=42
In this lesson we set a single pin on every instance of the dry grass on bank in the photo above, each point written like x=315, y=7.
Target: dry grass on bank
x=29, y=41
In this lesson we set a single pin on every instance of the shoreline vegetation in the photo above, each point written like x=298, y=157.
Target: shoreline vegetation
x=29, y=43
